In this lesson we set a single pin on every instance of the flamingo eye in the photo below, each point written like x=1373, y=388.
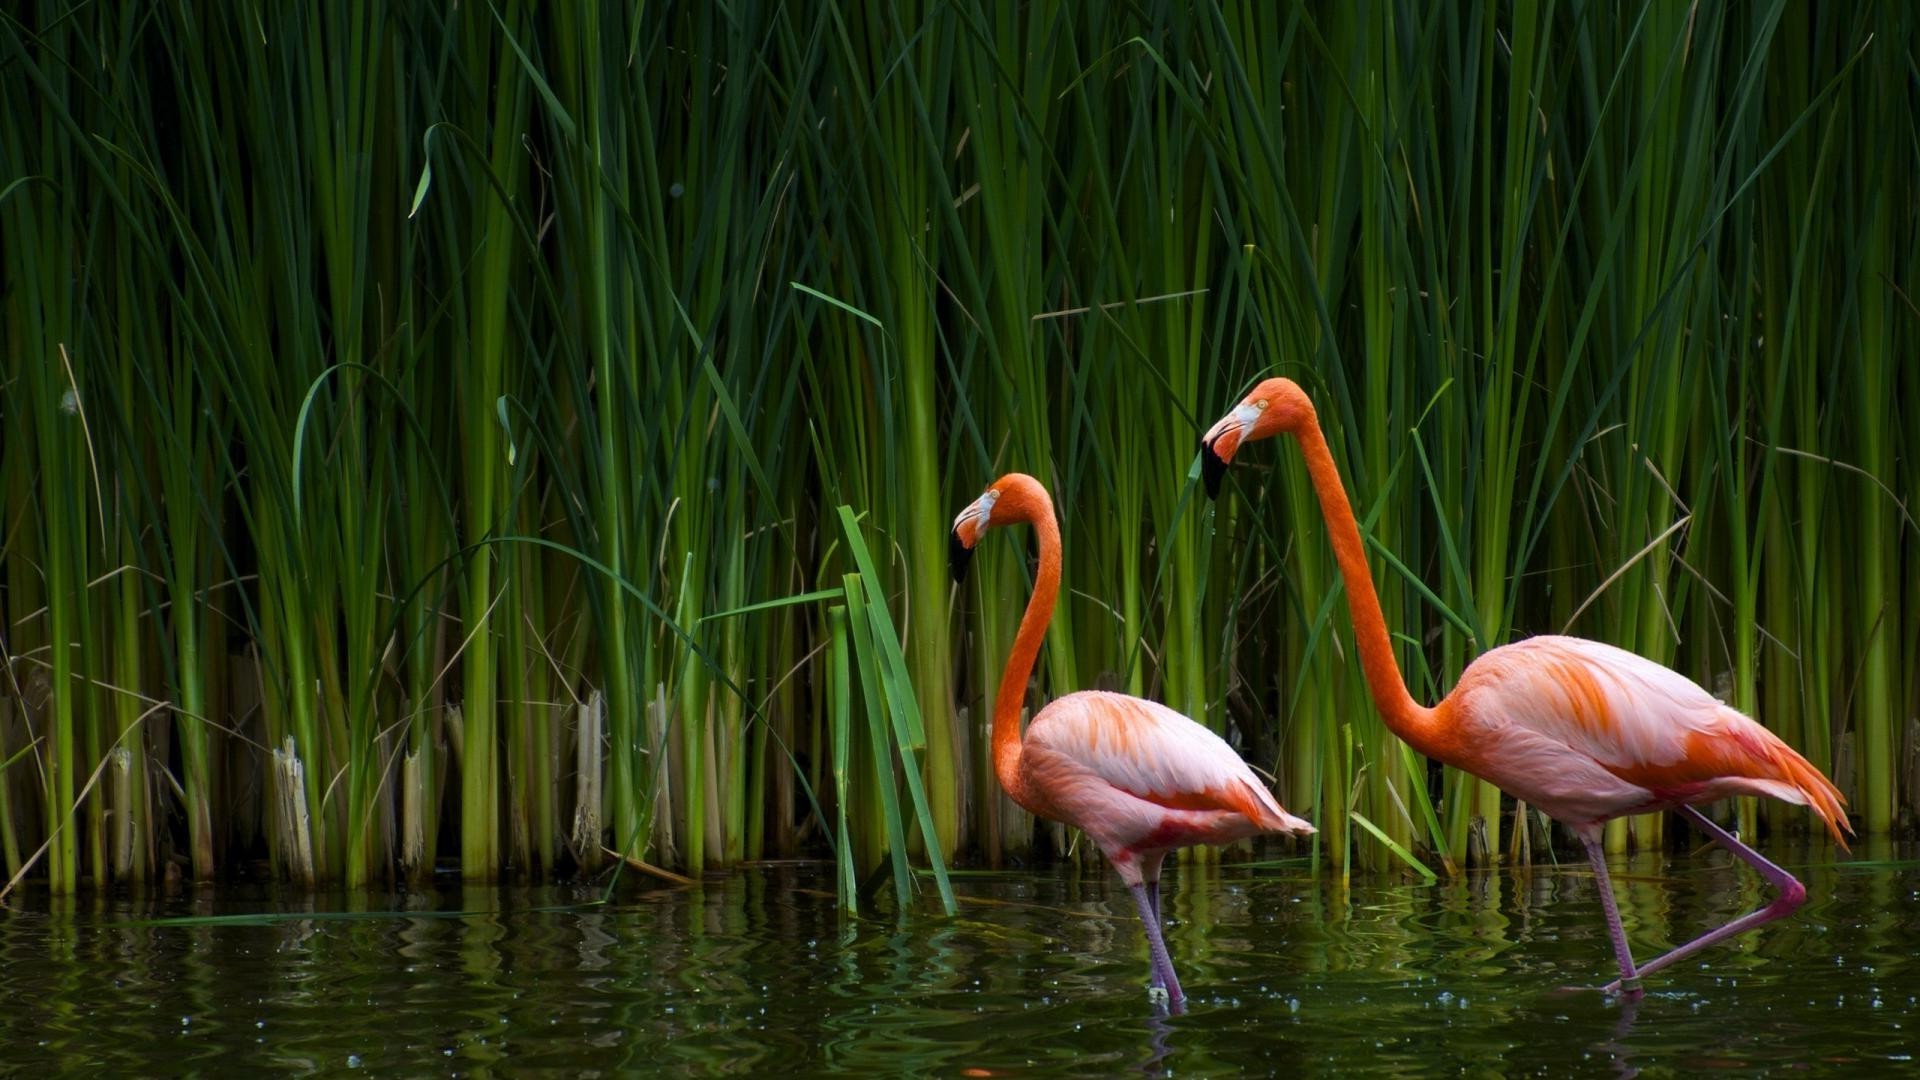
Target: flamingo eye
x=1262, y=404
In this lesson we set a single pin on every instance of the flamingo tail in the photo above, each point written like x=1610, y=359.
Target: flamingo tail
x=1260, y=807
x=1790, y=769
x=1824, y=798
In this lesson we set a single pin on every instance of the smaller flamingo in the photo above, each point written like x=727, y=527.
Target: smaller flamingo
x=1138, y=778
x=1582, y=730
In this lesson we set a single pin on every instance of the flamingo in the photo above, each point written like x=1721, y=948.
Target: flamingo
x=1582, y=730
x=1137, y=778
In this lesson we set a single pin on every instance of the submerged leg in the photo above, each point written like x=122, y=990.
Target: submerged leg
x=1163, y=976
x=1792, y=895
x=1597, y=855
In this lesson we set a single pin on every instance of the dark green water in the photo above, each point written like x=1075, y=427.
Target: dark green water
x=1040, y=973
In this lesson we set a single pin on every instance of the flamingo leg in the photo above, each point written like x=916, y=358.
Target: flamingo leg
x=1597, y=855
x=1792, y=895
x=1163, y=976
x=1150, y=869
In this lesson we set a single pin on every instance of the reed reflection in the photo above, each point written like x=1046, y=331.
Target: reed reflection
x=761, y=972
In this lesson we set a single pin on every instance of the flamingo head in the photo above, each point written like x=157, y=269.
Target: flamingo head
x=1276, y=406
x=1013, y=498
x=968, y=528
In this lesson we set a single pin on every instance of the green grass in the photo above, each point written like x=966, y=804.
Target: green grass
x=444, y=416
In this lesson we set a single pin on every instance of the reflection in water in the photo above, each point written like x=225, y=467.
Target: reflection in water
x=1039, y=972
x=1615, y=1047
x=1159, y=1034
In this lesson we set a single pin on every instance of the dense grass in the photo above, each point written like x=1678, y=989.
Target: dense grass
x=415, y=416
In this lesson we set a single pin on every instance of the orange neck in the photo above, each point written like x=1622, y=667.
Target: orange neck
x=1404, y=716
x=1037, y=509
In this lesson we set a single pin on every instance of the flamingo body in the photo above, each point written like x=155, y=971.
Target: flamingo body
x=1586, y=732
x=1141, y=780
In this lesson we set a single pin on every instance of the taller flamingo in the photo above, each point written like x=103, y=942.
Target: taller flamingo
x=1584, y=731
x=1138, y=778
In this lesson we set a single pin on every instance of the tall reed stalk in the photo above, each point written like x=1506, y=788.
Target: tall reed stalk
x=424, y=432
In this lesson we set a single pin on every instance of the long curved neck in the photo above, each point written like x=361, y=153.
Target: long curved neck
x=1026, y=649
x=1404, y=717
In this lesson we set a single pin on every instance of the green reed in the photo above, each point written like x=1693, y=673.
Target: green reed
x=424, y=431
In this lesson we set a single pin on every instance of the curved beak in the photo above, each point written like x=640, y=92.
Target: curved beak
x=959, y=556
x=1221, y=442
x=1213, y=468
x=967, y=529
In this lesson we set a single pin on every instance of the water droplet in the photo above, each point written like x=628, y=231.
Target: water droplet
x=353, y=1061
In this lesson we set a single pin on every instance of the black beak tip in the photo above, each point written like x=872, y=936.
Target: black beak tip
x=959, y=556
x=1212, y=469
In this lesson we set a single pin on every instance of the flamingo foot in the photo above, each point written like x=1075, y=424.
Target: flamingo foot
x=1616, y=987
x=1621, y=988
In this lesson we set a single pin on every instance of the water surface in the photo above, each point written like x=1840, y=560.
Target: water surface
x=1288, y=971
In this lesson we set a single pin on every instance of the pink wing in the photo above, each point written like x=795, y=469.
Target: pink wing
x=1616, y=707
x=1645, y=725
x=1156, y=755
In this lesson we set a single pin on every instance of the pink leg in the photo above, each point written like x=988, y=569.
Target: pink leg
x=1792, y=895
x=1597, y=855
x=1150, y=869
x=1163, y=976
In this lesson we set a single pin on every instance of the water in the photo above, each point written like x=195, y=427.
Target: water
x=1040, y=972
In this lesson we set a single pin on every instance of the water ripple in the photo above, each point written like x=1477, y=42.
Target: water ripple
x=761, y=974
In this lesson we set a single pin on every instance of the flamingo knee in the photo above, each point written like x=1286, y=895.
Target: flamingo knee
x=1792, y=895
